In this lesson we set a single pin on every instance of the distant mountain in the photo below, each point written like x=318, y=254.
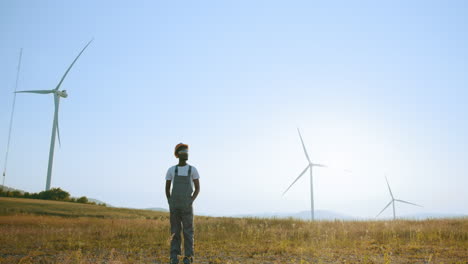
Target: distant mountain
x=330, y=216
x=323, y=215
x=303, y=215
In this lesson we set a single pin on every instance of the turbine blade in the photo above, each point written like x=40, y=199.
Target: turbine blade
x=319, y=165
x=389, y=187
x=11, y=117
x=300, y=175
x=408, y=202
x=71, y=65
x=333, y=168
x=57, y=102
x=37, y=91
x=303, y=146
x=18, y=70
x=385, y=208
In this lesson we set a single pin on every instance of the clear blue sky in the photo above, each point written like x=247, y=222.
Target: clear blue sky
x=375, y=86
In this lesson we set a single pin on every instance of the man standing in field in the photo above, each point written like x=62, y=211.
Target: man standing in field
x=183, y=177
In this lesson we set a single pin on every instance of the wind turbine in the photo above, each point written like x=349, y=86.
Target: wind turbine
x=11, y=120
x=308, y=167
x=55, y=127
x=393, y=201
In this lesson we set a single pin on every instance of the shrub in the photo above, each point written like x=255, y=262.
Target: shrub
x=54, y=194
x=82, y=199
x=16, y=194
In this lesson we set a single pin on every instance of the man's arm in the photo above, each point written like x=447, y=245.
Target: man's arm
x=197, y=189
x=168, y=189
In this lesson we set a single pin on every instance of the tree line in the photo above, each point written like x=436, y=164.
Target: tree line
x=55, y=194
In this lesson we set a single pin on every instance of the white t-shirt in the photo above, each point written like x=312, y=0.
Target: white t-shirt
x=182, y=171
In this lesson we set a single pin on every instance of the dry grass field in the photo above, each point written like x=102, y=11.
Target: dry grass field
x=33, y=231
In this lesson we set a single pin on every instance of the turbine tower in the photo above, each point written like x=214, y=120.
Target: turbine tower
x=55, y=127
x=308, y=167
x=392, y=202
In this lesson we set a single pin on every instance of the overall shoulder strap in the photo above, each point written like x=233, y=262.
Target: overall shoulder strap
x=189, y=171
x=176, y=171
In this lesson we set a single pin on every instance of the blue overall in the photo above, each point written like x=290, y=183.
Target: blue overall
x=181, y=213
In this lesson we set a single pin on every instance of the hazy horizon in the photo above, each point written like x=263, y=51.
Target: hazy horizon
x=376, y=88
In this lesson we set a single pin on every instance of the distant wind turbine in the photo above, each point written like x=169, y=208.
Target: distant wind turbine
x=55, y=127
x=11, y=119
x=393, y=201
x=309, y=166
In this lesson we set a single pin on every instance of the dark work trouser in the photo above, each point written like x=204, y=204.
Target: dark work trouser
x=181, y=220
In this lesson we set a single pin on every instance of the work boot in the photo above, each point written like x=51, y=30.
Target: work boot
x=188, y=260
x=174, y=261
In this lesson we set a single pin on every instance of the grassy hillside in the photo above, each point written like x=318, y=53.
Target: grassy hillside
x=9, y=206
x=110, y=235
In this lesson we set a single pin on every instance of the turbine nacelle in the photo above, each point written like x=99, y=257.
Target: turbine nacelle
x=62, y=93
